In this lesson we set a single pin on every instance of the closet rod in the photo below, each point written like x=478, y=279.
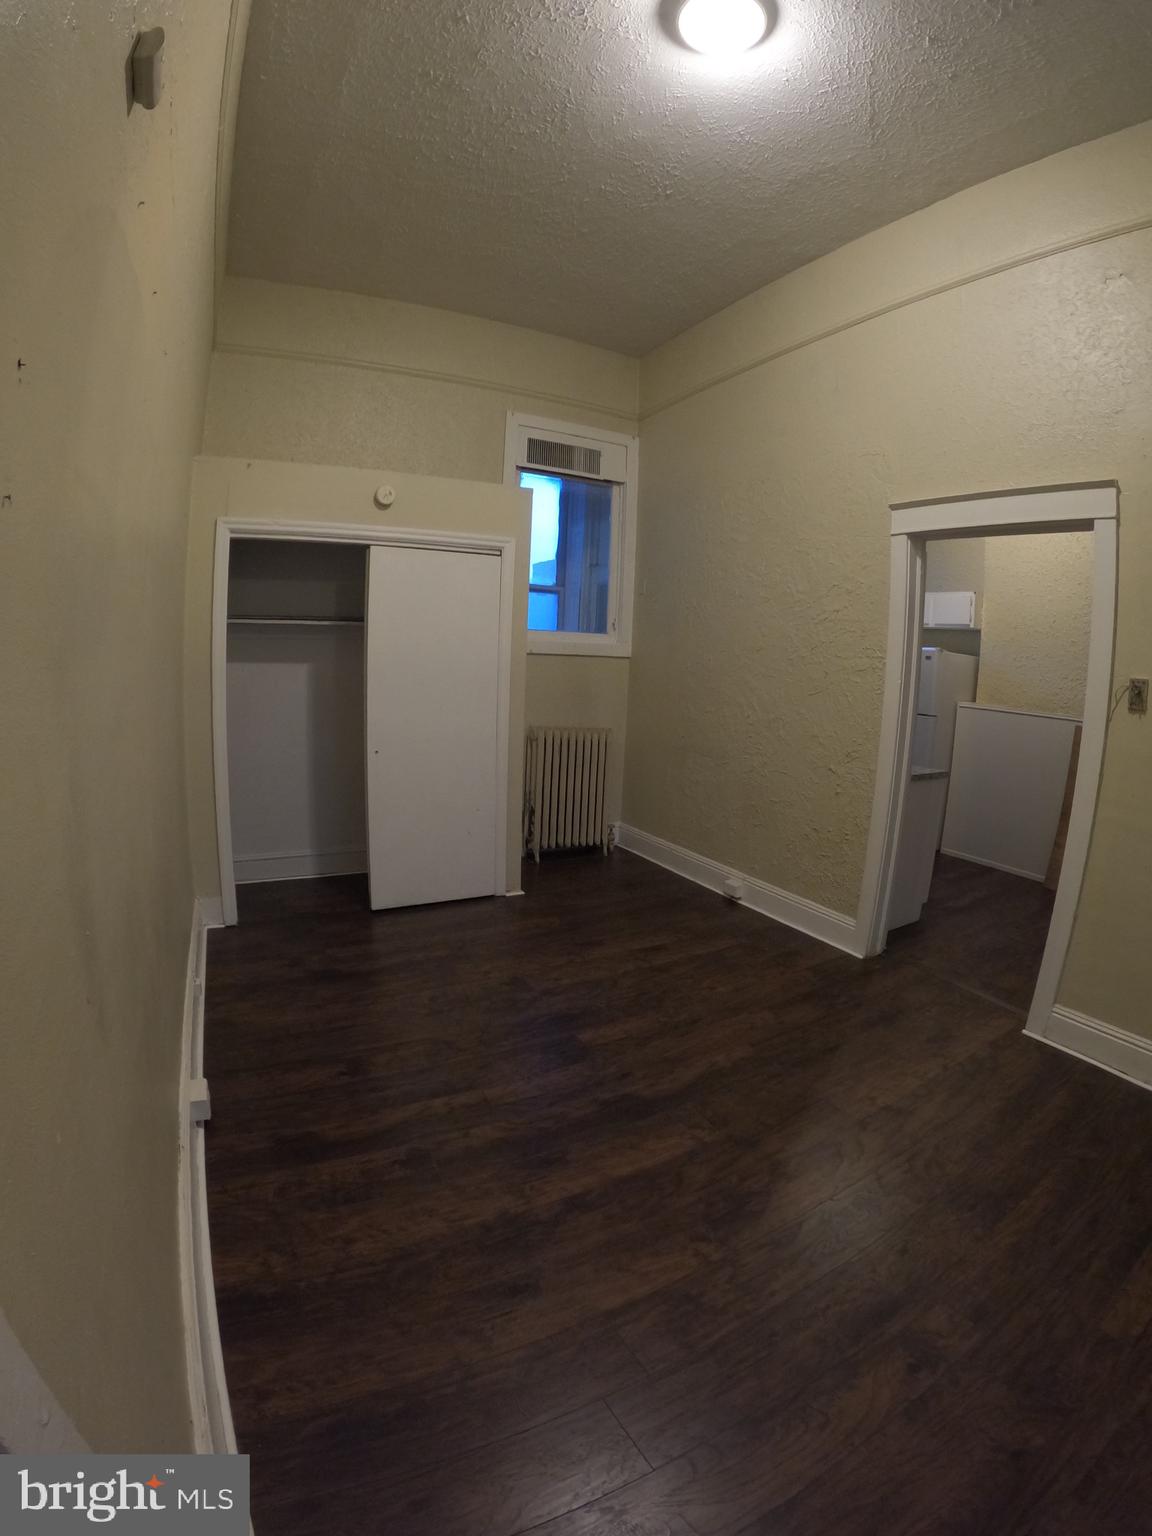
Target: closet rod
x=294, y=621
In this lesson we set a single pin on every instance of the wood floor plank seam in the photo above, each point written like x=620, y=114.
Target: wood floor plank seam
x=631, y=1437
x=984, y=996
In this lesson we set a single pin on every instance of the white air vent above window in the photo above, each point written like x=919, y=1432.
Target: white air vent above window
x=556, y=447
x=544, y=453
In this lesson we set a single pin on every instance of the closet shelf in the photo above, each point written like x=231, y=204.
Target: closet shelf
x=248, y=620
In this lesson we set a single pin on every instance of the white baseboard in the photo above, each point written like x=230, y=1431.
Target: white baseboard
x=1104, y=1045
x=207, y=1389
x=795, y=911
x=1008, y=869
x=300, y=866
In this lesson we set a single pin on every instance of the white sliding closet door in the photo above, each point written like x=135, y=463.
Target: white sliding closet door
x=432, y=679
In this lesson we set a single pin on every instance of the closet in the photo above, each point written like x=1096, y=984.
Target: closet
x=363, y=715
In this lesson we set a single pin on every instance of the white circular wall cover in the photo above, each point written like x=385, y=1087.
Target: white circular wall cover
x=384, y=496
x=722, y=26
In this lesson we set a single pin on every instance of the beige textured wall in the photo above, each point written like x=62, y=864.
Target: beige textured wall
x=1035, y=596
x=1037, y=619
x=955, y=565
x=1002, y=338
x=106, y=297
x=311, y=376
x=246, y=488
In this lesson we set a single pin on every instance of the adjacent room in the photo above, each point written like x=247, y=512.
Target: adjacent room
x=995, y=746
x=577, y=863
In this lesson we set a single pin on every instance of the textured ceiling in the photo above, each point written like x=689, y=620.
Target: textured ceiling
x=563, y=164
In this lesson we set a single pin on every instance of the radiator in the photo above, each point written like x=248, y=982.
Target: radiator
x=565, y=775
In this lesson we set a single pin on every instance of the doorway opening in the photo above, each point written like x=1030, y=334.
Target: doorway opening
x=988, y=773
x=1002, y=674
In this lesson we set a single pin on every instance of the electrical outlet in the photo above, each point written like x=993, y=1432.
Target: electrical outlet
x=1137, y=695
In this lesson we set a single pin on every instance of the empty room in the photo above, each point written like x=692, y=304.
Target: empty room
x=577, y=857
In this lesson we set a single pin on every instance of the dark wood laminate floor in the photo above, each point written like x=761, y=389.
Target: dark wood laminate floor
x=621, y=1211
x=982, y=928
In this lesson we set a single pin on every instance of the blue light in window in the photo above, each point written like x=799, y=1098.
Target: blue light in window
x=543, y=610
x=570, y=553
x=545, y=526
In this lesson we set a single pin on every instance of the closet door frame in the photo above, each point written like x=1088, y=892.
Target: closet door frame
x=228, y=529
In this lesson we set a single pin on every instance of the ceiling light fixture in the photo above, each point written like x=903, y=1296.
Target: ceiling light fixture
x=722, y=26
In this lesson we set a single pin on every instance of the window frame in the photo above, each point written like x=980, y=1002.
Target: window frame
x=622, y=574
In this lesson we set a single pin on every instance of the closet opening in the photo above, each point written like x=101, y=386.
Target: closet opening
x=997, y=693
x=295, y=702
x=360, y=701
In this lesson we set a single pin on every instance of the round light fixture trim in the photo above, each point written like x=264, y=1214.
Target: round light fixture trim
x=722, y=27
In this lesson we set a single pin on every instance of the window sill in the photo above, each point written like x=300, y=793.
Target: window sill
x=574, y=645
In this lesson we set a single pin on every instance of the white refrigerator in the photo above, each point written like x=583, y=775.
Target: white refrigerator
x=946, y=680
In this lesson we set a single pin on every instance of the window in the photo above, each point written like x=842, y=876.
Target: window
x=580, y=559
x=570, y=566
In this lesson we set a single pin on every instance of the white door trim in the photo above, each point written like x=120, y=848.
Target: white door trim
x=1052, y=509
x=967, y=517
x=228, y=529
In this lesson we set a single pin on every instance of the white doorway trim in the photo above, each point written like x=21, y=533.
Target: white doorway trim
x=1050, y=509
x=228, y=529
